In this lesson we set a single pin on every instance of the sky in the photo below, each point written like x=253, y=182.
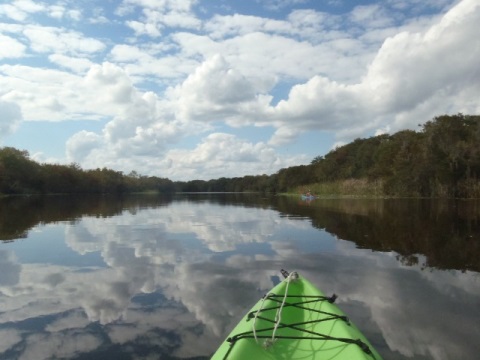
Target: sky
x=203, y=89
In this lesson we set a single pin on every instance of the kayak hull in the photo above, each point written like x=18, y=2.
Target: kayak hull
x=296, y=321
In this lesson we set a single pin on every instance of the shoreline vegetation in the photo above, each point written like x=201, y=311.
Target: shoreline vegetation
x=352, y=188
x=441, y=160
x=363, y=188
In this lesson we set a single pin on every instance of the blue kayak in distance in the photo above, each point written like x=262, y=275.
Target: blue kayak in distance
x=308, y=197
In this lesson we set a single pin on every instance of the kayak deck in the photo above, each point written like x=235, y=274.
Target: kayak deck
x=296, y=321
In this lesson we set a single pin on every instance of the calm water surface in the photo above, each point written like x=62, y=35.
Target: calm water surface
x=150, y=277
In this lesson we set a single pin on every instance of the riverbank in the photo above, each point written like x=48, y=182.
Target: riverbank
x=364, y=188
x=345, y=188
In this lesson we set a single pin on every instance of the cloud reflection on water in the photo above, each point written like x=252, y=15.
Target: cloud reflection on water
x=175, y=281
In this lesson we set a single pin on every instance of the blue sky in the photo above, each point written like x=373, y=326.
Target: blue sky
x=192, y=89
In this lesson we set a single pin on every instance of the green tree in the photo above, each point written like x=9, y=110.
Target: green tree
x=18, y=173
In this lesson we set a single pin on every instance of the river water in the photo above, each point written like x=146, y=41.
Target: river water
x=150, y=277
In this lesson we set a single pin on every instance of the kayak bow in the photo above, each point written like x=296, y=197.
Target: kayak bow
x=295, y=320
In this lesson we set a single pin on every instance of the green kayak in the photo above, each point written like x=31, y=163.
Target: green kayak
x=295, y=320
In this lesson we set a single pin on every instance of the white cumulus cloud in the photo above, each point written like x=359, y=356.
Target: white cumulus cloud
x=10, y=118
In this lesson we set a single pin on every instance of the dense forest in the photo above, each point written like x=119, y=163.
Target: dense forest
x=442, y=159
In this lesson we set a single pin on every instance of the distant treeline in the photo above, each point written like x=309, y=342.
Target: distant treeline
x=21, y=175
x=440, y=160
